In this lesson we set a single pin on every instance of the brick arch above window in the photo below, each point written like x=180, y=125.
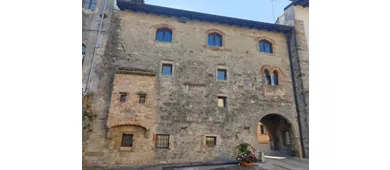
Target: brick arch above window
x=161, y=26
x=220, y=34
x=261, y=38
x=213, y=30
x=271, y=70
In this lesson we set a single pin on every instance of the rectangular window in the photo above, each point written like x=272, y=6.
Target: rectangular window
x=90, y=4
x=162, y=141
x=127, y=140
x=222, y=74
x=142, y=98
x=211, y=141
x=167, y=69
x=221, y=101
x=123, y=97
x=263, y=129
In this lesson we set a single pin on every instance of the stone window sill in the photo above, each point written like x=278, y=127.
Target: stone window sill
x=166, y=77
x=162, y=42
x=222, y=81
x=271, y=86
x=212, y=48
x=126, y=149
x=264, y=53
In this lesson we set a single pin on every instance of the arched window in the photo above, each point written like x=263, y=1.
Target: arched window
x=89, y=4
x=265, y=46
x=267, y=77
x=215, y=40
x=164, y=35
x=275, y=78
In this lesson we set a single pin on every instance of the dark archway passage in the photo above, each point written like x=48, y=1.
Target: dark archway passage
x=281, y=134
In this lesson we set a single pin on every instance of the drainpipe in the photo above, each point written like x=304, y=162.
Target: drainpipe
x=96, y=46
x=295, y=92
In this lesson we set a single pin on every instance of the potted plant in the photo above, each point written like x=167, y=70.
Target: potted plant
x=245, y=155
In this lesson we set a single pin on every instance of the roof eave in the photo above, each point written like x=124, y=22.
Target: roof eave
x=303, y=3
x=125, y=5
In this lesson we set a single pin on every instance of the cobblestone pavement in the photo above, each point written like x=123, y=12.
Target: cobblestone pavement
x=271, y=163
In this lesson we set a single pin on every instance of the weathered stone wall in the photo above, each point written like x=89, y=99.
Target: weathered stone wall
x=300, y=65
x=186, y=103
x=90, y=23
x=131, y=112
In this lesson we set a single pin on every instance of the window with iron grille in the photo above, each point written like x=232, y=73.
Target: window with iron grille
x=127, y=140
x=162, y=141
x=142, y=98
x=123, y=97
x=211, y=141
x=89, y=4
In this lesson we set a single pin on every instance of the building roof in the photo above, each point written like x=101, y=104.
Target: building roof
x=171, y=12
x=304, y=3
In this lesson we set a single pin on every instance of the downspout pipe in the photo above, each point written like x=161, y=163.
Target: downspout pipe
x=288, y=39
x=96, y=46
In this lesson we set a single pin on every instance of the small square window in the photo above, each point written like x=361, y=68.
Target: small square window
x=222, y=74
x=123, y=97
x=221, y=101
x=142, y=98
x=162, y=141
x=127, y=140
x=167, y=69
x=211, y=141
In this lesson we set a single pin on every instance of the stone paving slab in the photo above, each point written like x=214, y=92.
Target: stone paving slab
x=269, y=164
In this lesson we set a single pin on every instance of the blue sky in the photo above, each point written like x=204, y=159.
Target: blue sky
x=257, y=10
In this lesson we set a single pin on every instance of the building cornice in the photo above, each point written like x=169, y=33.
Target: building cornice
x=171, y=12
x=303, y=3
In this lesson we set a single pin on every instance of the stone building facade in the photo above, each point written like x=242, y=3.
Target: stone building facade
x=184, y=99
x=297, y=15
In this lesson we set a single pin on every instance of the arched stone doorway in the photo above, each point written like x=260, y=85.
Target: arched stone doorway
x=282, y=136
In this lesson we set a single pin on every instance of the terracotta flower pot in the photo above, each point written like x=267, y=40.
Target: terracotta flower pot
x=246, y=164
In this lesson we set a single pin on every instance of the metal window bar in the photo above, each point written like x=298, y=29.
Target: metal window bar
x=162, y=141
x=211, y=140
